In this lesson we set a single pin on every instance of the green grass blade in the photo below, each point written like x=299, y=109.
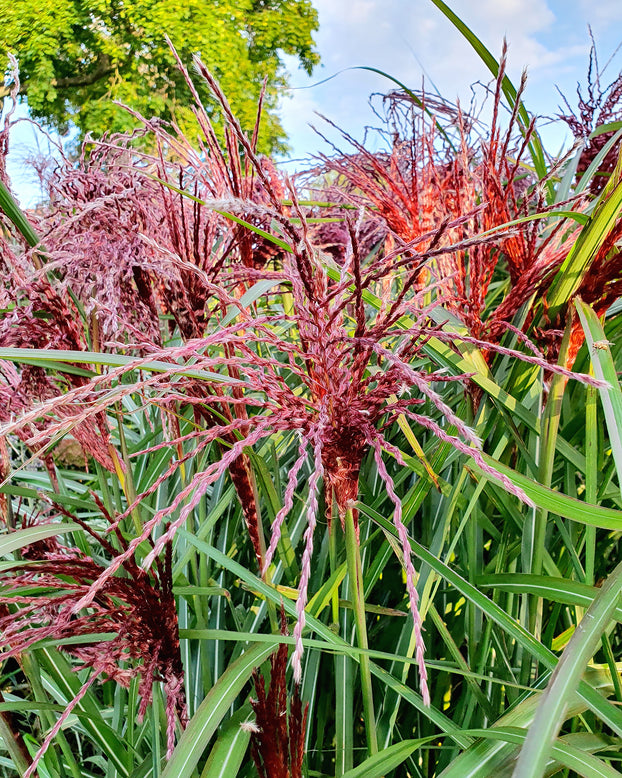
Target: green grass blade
x=249, y=297
x=355, y=576
x=416, y=100
x=344, y=726
x=20, y=538
x=211, y=712
x=232, y=217
x=598, y=159
x=555, y=589
x=563, y=190
x=62, y=499
x=17, y=216
x=565, y=754
x=564, y=681
x=388, y=759
x=557, y=503
x=229, y=750
x=98, y=729
x=580, y=257
x=592, y=459
x=605, y=369
x=491, y=750
x=43, y=356
x=11, y=744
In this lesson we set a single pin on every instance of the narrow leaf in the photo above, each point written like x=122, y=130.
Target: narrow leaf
x=24, y=537
x=211, y=712
x=565, y=679
x=228, y=752
x=584, y=250
x=605, y=369
x=388, y=759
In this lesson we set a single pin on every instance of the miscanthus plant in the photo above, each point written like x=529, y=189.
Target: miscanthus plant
x=315, y=478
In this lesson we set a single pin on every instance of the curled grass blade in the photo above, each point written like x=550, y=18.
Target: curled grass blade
x=509, y=90
x=555, y=589
x=558, y=503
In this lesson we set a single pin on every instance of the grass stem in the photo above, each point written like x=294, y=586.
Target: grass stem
x=355, y=574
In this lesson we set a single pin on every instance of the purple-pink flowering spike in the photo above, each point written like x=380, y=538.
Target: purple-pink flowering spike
x=540, y=361
x=139, y=256
x=199, y=486
x=305, y=574
x=288, y=502
x=58, y=725
x=474, y=453
x=410, y=570
x=195, y=490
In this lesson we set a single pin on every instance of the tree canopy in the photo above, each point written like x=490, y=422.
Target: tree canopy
x=76, y=57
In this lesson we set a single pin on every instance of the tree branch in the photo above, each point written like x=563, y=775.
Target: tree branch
x=103, y=68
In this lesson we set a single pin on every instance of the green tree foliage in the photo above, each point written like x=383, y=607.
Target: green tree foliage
x=78, y=56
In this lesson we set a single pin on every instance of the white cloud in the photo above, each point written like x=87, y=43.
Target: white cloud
x=602, y=13
x=405, y=38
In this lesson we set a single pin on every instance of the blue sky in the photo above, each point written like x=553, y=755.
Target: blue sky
x=407, y=38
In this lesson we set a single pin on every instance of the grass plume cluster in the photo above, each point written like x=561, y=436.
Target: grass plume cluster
x=368, y=400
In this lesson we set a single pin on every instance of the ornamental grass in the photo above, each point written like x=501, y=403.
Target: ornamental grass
x=375, y=406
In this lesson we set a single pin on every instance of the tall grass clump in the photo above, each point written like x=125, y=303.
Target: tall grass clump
x=356, y=424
